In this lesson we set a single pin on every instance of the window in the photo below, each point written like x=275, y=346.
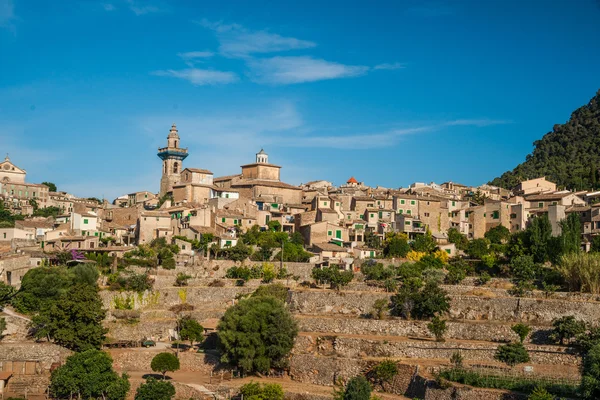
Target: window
x=338, y=234
x=541, y=204
x=370, y=205
x=484, y=215
x=401, y=201
x=85, y=221
x=324, y=204
x=513, y=216
x=378, y=202
x=358, y=226
x=4, y=235
x=496, y=214
x=228, y=243
x=348, y=217
x=337, y=204
x=408, y=212
x=372, y=215
x=453, y=203
x=554, y=203
x=362, y=216
x=175, y=167
x=235, y=221
x=412, y=202
x=329, y=233
x=95, y=233
x=223, y=219
x=448, y=251
x=407, y=223
x=427, y=214
x=380, y=214
x=400, y=211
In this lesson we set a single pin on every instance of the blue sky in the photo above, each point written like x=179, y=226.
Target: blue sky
x=389, y=92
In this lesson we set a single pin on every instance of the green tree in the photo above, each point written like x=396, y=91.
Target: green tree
x=539, y=237
x=478, y=248
x=420, y=303
x=88, y=375
x=566, y=328
x=2, y=327
x=267, y=391
x=523, y=269
x=380, y=306
x=371, y=240
x=74, y=320
x=332, y=275
x=51, y=186
x=276, y=290
x=460, y=241
x=40, y=287
x=257, y=334
x=540, y=393
x=396, y=246
x=358, y=388
x=438, y=328
x=190, y=329
x=239, y=252
x=155, y=390
x=570, y=236
x=522, y=331
x=590, y=381
x=424, y=243
x=498, y=234
x=163, y=362
x=512, y=354
x=384, y=372
x=7, y=292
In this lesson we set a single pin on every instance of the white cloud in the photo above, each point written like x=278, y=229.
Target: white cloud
x=7, y=15
x=140, y=8
x=477, y=122
x=192, y=55
x=289, y=70
x=200, y=77
x=109, y=7
x=388, y=66
x=237, y=41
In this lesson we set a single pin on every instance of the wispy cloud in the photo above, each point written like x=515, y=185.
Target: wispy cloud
x=237, y=41
x=477, y=122
x=141, y=7
x=200, y=77
x=389, y=66
x=7, y=15
x=289, y=70
x=192, y=58
x=109, y=7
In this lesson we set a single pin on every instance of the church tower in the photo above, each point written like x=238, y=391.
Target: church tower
x=172, y=157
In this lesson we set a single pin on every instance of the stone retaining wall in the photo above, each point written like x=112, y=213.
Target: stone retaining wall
x=360, y=348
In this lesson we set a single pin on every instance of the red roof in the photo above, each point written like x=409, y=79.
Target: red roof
x=352, y=180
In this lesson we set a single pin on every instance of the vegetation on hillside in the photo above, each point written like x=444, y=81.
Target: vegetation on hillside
x=568, y=156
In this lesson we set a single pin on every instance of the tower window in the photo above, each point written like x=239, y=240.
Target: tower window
x=175, y=167
x=176, y=143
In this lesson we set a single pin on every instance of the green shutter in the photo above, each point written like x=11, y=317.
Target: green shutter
x=380, y=214
x=222, y=219
x=401, y=201
x=338, y=234
x=329, y=233
x=85, y=221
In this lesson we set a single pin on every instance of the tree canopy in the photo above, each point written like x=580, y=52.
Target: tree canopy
x=257, y=334
x=88, y=375
x=155, y=390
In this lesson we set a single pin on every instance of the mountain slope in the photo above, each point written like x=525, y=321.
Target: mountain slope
x=569, y=155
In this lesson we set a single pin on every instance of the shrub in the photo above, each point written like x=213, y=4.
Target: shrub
x=540, y=393
x=358, y=388
x=522, y=330
x=478, y=248
x=182, y=279
x=566, y=328
x=276, y=290
x=512, y=354
x=581, y=271
x=590, y=382
x=155, y=390
x=257, y=334
x=456, y=359
x=332, y=275
x=380, y=307
x=410, y=302
x=456, y=273
x=438, y=328
x=384, y=372
x=267, y=391
x=415, y=255
x=442, y=256
x=190, y=329
x=164, y=362
x=484, y=278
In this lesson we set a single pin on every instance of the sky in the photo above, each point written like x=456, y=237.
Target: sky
x=390, y=92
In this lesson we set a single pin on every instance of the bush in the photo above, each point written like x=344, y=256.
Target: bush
x=438, y=328
x=410, y=302
x=332, y=275
x=456, y=273
x=590, y=382
x=376, y=271
x=155, y=390
x=380, y=307
x=522, y=330
x=358, y=388
x=566, y=328
x=190, y=329
x=257, y=334
x=267, y=391
x=384, y=372
x=581, y=271
x=512, y=354
x=182, y=279
x=484, y=278
x=478, y=248
x=540, y=393
x=276, y=290
x=164, y=362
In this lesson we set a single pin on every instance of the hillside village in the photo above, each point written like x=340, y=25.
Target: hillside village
x=435, y=282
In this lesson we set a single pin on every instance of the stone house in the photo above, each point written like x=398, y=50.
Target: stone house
x=537, y=185
x=323, y=232
x=152, y=225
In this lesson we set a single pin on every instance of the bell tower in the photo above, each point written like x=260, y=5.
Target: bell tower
x=172, y=157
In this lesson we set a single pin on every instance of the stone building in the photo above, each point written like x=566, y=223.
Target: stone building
x=172, y=157
x=16, y=191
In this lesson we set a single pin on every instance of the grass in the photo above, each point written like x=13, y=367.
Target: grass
x=522, y=384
